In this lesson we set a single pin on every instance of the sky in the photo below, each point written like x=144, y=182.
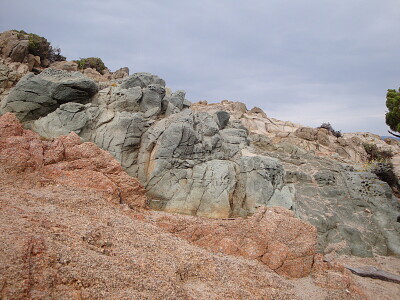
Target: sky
x=305, y=61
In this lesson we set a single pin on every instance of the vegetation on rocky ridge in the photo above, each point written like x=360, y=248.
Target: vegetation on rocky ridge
x=379, y=163
x=39, y=46
x=91, y=62
x=329, y=127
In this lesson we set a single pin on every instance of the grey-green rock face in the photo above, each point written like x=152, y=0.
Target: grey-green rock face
x=222, y=118
x=190, y=162
x=195, y=163
x=355, y=212
x=36, y=96
x=142, y=80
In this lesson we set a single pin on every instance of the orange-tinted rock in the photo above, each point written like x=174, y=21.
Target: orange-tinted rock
x=334, y=276
x=272, y=235
x=63, y=237
x=68, y=161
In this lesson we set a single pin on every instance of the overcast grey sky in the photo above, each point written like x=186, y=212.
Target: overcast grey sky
x=307, y=61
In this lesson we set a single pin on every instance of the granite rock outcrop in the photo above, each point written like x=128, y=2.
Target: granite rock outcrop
x=66, y=160
x=35, y=96
x=273, y=236
x=190, y=162
x=222, y=160
x=73, y=225
x=326, y=182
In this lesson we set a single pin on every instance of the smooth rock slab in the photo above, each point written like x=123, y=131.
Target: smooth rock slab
x=36, y=96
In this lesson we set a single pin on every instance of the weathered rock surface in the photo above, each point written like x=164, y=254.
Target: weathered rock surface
x=69, y=66
x=120, y=73
x=4, y=71
x=66, y=234
x=190, y=162
x=11, y=46
x=272, y=235
x=354, y=212
x=203, y=162
x=142, y=80
x=11, y=73
x=37, y=95
x=348, y=148
x=66, y=161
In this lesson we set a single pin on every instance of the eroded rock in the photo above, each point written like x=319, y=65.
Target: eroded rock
x=37, y=95
x=272, y=235
x=68, y=161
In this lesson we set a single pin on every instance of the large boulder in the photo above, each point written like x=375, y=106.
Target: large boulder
x=37, y=95
x=17, y=50
x=222, y=118
x=152, y=97
x=142, y=80
x=185, y=168
x=120, y=73
x=307, y=133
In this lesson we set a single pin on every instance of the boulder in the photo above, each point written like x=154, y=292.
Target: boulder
x=120, y=73
x=33, y=62
x=152, y=97
x=16, y=50
x=69, y=117
x=37, y=95
x=222, y=118
x=306, y=133
x=323, y=137
x=258, y=111
x=93, y=74
x=261, y=176
x=69, y=66
x=142, y=80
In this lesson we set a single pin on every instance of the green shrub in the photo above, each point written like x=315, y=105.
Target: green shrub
x=379, y=163
x=91, y=62
x=39, y=46
x=375, y=154
x=384, y=170
x=329, y=127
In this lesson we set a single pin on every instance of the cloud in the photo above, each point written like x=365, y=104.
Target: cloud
x=305, y=61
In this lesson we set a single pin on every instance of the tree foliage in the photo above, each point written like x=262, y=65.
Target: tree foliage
x=393, y=105
x=91, y=62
